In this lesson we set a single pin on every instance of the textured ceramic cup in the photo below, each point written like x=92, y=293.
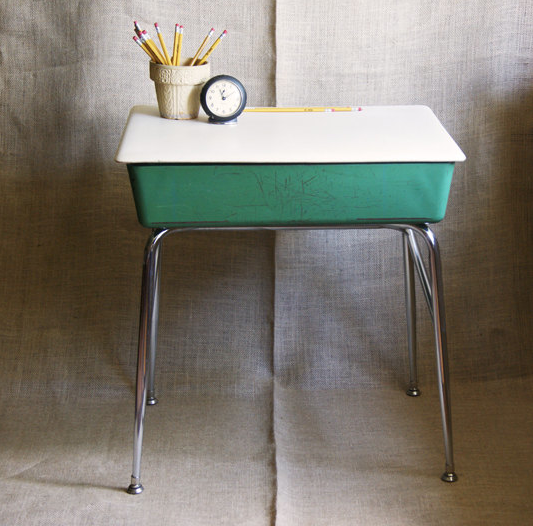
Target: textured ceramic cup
x=178, y=89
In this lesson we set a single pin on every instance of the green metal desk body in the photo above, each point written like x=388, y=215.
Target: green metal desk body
x=289, y=194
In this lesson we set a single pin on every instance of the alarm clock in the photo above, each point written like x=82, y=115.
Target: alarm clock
x=223, y=98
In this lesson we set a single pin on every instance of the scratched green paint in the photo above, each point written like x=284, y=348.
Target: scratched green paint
x=289, y=194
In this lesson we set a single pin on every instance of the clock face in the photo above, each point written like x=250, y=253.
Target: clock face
x=223, y=98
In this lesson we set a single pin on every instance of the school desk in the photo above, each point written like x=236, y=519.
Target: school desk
x=374, y=167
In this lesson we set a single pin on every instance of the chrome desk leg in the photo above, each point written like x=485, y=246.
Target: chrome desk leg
x=410, y=307
x=420, y=269
x=148, y=282
x=153, y=313
x=439, y=324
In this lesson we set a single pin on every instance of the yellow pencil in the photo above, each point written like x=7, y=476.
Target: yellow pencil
x=212, y=48
x=149, y=49
x=180, y=45
x=163, y=45
x=201, y=48
x=151, y=44
x=143, y=47
x=305, y=109
x=175, y=48
x=137, y=29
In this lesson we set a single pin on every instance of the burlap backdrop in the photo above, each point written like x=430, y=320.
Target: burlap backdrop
x=253, y=325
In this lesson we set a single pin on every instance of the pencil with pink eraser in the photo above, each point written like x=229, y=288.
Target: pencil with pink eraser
x=202, y=45
x=137, y=29
x=176, y=58
x=153, y=56
x=151, y=44
x=212, y=48
x=175, y=47
x=163, y=45
x=143, y=46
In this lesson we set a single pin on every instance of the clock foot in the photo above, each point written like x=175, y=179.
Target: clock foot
x=214, y=121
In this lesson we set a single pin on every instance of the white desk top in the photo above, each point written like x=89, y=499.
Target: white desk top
x=376, y=134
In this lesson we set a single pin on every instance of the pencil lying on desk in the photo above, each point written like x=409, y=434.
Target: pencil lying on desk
x=212, y=48
x=302, y=109
x=201, y=48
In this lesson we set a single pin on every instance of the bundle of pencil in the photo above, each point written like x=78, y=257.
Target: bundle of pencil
x=145, y=42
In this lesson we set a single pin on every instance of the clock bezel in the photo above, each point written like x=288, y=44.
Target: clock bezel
x=203, y=98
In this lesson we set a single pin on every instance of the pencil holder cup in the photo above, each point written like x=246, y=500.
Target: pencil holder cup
x=178, y=89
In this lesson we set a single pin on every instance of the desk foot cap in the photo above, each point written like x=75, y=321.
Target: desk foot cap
x=449, y=476
x=151, y=400
x=413, y=391
x=135, y=489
